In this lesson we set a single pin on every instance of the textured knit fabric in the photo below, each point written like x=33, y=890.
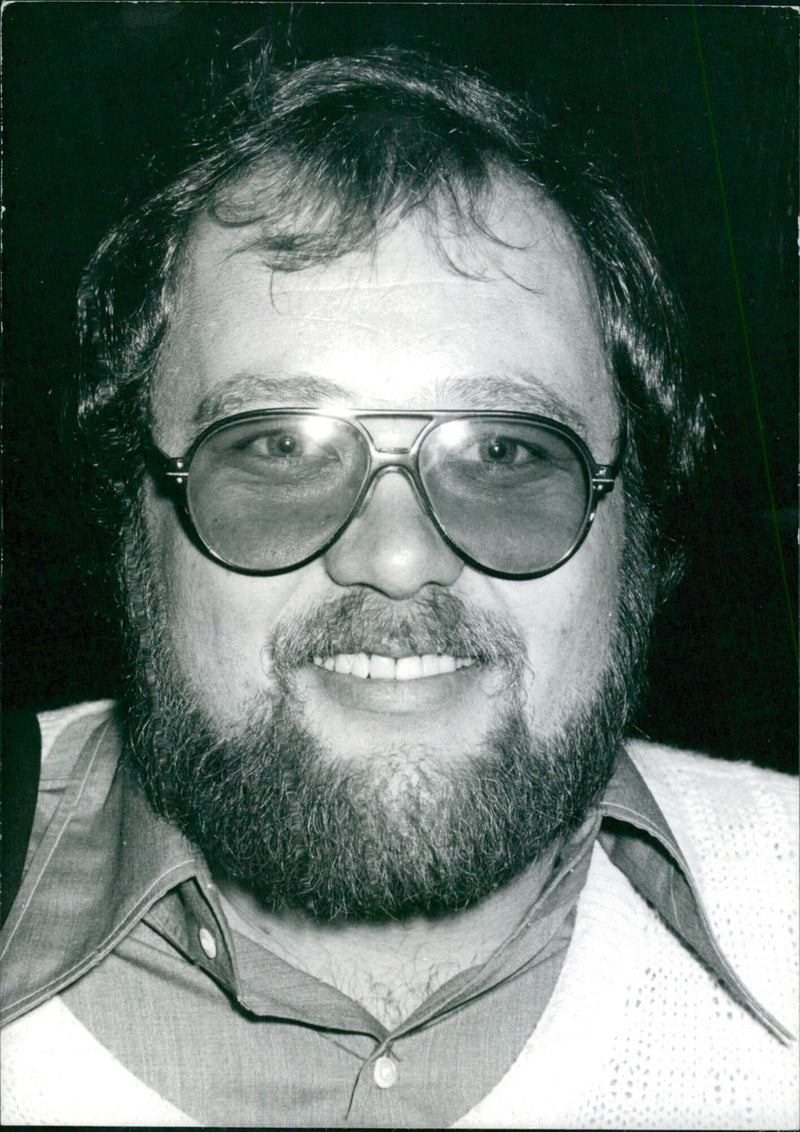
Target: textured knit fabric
x=56, y=1072
x=652, y=1039
x=516, y=1107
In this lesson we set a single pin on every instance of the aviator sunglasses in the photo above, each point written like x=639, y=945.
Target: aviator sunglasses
x=513, y=494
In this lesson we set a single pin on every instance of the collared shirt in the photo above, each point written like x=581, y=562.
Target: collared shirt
x=147, y=958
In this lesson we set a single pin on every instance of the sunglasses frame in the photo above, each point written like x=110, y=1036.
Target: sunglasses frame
x=173, y=472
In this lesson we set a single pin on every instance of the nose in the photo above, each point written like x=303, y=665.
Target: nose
x=391, y=545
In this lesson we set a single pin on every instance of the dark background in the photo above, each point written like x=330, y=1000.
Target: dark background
x=699, y=105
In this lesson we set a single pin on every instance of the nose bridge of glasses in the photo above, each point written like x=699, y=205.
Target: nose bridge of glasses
x=394, y=433
x=395, y=439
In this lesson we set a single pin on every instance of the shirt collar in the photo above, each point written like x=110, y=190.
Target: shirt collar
x=128, y=858
x=103, y=860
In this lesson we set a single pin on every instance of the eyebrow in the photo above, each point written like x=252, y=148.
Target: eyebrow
x=273, y=391
x=522, y=393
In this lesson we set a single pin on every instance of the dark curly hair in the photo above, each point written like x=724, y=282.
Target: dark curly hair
x=326, y=156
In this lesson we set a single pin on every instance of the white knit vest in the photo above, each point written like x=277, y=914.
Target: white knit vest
x=637, y=1033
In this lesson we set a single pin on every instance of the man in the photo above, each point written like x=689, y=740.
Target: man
x=387, y=415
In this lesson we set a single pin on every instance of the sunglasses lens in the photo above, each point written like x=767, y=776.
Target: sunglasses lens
x=267, y=493
x=514, y=496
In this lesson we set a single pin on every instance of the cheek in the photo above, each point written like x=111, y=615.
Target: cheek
x=218, y=622
x=567, y=619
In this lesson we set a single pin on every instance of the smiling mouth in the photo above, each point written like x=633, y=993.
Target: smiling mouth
x=373, y=666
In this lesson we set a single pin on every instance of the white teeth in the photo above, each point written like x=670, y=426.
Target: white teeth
x=382, y=667
x=376, y=667
x=408, y=668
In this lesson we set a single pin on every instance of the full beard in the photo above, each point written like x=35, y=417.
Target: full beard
x=269, y=805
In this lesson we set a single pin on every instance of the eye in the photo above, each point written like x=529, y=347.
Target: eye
x=277, y=444
x=283, y=453
x=505, y=451
x=281, y=444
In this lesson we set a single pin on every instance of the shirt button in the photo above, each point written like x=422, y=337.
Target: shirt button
x=208, y=943
x=385, y=1072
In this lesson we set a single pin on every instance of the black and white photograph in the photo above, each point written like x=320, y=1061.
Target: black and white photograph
x=399, y=567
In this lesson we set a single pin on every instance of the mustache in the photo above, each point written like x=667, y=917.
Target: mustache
x=362, y=621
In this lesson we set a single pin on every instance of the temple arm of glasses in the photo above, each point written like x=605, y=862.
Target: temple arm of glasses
x=603, y=479
x=171, y=468
x=605, y=475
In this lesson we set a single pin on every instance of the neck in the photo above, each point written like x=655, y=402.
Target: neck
x=390, y=967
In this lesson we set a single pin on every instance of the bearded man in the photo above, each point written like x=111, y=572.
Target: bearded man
x=387, y=413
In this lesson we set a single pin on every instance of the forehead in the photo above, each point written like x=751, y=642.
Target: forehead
x=451, y=320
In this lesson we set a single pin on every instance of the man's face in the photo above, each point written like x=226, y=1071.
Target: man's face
x=394, y=328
